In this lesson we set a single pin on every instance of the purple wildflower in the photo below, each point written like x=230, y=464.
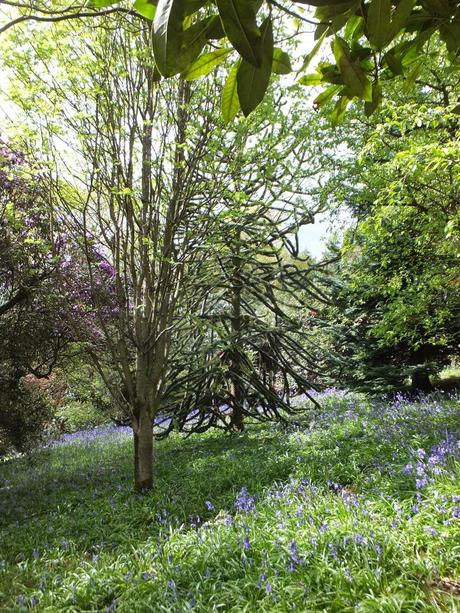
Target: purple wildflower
x=245, y=502
x=293, y=552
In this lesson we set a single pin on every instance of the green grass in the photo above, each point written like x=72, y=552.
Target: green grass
x=331, y=521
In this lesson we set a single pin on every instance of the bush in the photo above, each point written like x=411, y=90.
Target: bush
x=85, y=385
x=81, y=415
x=26, y=417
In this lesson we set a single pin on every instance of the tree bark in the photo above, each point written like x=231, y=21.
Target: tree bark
x=236, y=421
x=143, y=451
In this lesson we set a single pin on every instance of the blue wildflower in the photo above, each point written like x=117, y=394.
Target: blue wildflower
x=245, y=502
x=408, y=468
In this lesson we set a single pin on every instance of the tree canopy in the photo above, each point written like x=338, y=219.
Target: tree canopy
x=371, y=41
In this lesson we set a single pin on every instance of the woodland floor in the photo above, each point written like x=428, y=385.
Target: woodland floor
x=357, y=508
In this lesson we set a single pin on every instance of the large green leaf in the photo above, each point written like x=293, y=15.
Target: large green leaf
x=400, y=16
x=215, y=29
x=193, y=40
x=310, y=56
x=353, y=75
x=329, y=11
x=146, y=8
x=378, y=23
x=192, y=6
x=322, y=3
x=281, y=62
x=338, y=111
x=354, y=28
x=205, y=63
x=311, y=79
x=450, y=34
x=393, y=62
x=167, y=35
x=252, y=82
x=230, y=103
x=370, y=107
x=325, y=96
x=438, y=7
x=239, y=21
x=175, y=48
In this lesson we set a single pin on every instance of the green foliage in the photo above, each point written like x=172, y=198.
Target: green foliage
x=372, y=40
x=396, y=294
x=338, y=523
x=205, y=63
x=80, y=415
x=240, y=26
x=252, y=81
x=26, y=417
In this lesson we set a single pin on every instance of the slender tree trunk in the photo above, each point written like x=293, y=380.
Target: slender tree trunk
x=143, y=451
x=236, y=423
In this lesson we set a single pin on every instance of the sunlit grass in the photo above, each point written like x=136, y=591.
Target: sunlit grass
x=356, y=509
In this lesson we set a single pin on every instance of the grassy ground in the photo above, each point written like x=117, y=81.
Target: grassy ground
x=358, y=509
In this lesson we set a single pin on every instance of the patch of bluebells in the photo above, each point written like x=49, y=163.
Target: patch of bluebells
x=425, y=466
x=245, y=502
x=294, y=559
x=93, y=435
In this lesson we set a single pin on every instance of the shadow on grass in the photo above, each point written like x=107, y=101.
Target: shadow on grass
x=85, y=495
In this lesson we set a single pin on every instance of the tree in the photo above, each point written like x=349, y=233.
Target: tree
x=249, y=350
x=152, y=201
x=372, y=40
x=397, y=296
x=29, y=261
x=40, y=273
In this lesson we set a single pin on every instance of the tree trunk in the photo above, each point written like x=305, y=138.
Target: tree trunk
x=143, y=451
x=421, y=381
x=236, y=422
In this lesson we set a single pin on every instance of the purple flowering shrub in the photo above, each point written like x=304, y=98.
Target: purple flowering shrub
x=52, y=293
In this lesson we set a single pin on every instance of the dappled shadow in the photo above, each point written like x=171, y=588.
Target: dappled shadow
x=74, y=501
x=82, y=494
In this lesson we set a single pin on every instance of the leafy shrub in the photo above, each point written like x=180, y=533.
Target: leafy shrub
x=81, y=415
x=86, y=386
x=26, y=417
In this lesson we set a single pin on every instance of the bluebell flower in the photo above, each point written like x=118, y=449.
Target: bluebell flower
x=245, y=502
x=421, y=483
x=262, y=579
x=22, y=600
x=293, y=552
x=147, y=576
x=172, y=586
